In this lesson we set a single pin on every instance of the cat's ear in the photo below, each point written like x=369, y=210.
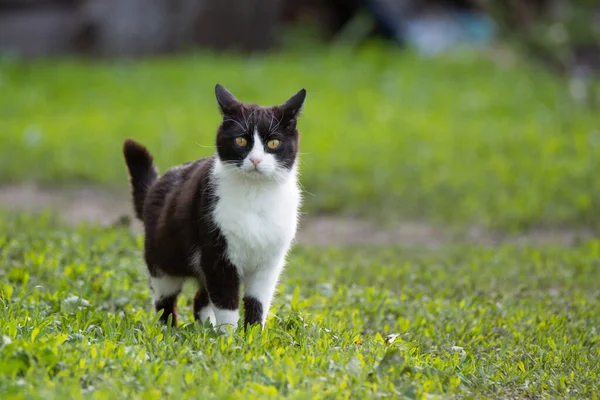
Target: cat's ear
x=292, y=107
x=228, y=104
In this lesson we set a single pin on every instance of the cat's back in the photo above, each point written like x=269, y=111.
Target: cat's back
x=160, y=190
x=174, y=203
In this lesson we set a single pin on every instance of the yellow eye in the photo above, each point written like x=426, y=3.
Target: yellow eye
x=240, y=141
x=273, y=144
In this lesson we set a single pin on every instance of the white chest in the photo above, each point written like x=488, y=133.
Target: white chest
x=258, y=221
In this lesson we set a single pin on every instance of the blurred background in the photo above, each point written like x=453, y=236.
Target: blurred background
x=563, y=33
x=422, y=117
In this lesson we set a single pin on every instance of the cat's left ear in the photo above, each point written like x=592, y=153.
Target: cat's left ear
x=292, y=107
x=227, y=102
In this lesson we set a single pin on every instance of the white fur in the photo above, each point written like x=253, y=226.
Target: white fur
x=225, y=318
x=257, y=212
x=261, y=284
x=207, y=313
x=165, y=286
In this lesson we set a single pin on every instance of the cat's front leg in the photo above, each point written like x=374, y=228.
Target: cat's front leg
x=223, y=285
x=260, y=286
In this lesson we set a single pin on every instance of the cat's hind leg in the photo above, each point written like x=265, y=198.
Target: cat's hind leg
x=165, y=290
x=203, y=309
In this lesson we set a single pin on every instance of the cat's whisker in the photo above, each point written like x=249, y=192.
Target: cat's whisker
x=229, y=170
x=233, y=120
x=303, y=189
x=245, y=120
x=276, y=177
x=278, y=123
x=250, y=116
x=271, y=122
x=205, y=146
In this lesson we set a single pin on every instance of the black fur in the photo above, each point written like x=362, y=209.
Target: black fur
x=169, y=305
x=201, y=300
x=141, y=171
x=253, y=310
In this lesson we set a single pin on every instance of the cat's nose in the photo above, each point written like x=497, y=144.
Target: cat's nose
x=255, y=161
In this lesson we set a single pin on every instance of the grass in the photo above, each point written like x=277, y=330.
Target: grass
x=512, y=322
x=458, y=140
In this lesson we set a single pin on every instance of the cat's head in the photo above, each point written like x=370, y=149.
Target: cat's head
x=258, y=142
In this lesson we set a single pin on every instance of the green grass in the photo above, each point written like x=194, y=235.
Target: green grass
x=512, y=322
x=455, y=140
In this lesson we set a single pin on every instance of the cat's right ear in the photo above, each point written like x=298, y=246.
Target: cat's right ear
x=292, y=107
x=228, y=104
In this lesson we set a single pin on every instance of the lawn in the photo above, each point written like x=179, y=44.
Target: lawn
x=458, y=140
x=364, y=323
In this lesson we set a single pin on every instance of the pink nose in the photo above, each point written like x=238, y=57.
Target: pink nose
x=255, y=161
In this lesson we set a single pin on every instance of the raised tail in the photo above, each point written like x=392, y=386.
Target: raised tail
x=142, y=173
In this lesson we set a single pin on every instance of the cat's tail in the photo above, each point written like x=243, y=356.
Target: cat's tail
x=142, y=173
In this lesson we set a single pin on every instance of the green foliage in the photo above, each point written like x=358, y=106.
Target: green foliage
x=76, y=322
x=456, y=140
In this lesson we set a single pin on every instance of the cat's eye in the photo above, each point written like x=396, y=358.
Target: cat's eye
x=240, y=141
x=273, y=143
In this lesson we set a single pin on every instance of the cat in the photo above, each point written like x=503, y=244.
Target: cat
x=225, y=220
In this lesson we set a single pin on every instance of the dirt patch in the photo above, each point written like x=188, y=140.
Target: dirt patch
x=92, y=204
x=74, y=205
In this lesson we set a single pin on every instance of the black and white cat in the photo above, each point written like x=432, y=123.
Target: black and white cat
x=224, y=220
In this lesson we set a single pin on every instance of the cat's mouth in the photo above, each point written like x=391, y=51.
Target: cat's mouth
x=256, y=173
x=251, y=171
